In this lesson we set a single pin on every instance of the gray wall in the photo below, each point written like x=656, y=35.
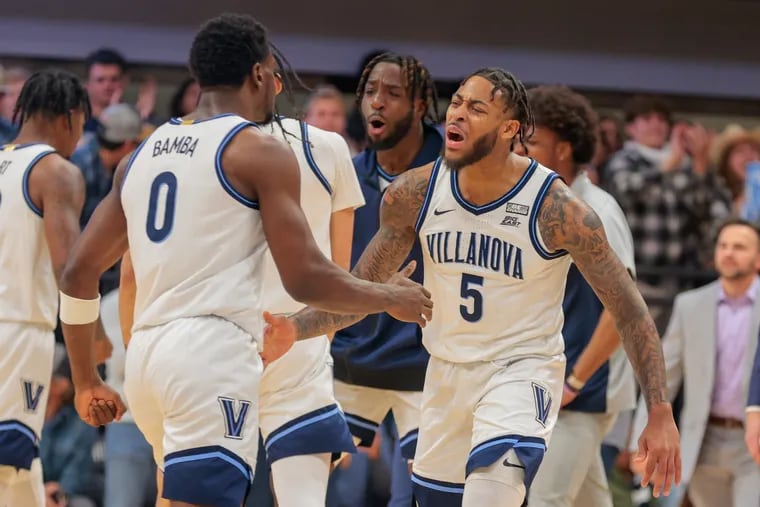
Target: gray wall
x=682, y=47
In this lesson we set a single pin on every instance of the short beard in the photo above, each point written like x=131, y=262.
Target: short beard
x=482, y=147
x=395, y=136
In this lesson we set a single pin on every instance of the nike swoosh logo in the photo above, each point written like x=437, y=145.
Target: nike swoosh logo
x=437, y=212
x=508, y=464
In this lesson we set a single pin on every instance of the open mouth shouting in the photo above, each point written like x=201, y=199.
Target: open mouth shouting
x=454, y=137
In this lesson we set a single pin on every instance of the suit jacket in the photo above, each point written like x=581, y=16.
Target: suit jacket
x=689, y=346
x=754, y=384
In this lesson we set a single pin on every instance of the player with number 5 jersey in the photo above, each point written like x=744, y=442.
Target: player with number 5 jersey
x=198, y=203
x=498, y=231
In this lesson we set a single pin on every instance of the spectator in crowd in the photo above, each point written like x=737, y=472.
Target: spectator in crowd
x=11, y=82
x=326, y=109
x=609, y=141
x=660, y=179
x=731, y=152
x=106, y=80
x=185, y=98
x=66, y=442
x=709, y=347
x=118, y=133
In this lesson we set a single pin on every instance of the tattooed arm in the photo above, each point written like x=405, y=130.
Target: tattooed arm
x=384, y=254
x=567, y=223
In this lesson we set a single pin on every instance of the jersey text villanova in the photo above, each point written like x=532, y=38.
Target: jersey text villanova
x=477, y=250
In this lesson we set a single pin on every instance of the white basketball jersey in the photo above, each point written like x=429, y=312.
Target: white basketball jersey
x=497, y=289
x=197, y=245
x=328, y=184
x=28, y=288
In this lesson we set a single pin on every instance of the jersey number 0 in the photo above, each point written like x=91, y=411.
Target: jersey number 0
x=162, y=191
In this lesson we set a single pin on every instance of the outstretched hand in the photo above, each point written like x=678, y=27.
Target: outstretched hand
x=658, y=459
x=279, y=336
x=411, y=301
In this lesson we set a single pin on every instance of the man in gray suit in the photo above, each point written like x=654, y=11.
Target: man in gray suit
x=709, y=347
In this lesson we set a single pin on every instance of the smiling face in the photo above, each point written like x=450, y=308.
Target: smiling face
x=477, y=122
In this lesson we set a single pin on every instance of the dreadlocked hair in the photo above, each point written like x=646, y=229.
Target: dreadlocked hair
x=514, y=96
x=417, y=81
x=51, y=93
x=289, y=78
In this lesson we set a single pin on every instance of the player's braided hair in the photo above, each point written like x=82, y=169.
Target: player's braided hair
x=417, y=81
x=514, y=96
x=289, y=78
x=51, y=93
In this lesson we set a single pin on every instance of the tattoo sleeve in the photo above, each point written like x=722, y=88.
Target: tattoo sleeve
x=566, y=222
x=384, y=254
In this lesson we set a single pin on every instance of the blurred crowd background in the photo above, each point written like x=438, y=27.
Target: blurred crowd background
x=676, y=87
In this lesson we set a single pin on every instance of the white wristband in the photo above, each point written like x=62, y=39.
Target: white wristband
x=574, y=382
x=753, y=408
x=75, y=312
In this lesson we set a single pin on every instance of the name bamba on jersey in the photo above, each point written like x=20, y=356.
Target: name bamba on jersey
x=182, y=145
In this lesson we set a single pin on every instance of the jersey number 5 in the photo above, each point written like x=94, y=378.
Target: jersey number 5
x=468, y=290
x=162, y=191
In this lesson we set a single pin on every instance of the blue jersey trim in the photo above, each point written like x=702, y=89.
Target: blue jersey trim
x=25, y=181
x=485, y=208
x=208, y=475
x=131, y=160
x=17, y=146
x=408, y=444
x=320, y=431
x=533, y=223
x=428, y=195
x=296, y=425
x=21, y=428
x=529, y=450
x=310, y=158
x=206, y=453
x=220, y=172
x=363, y=429
x=384, y=175
x=442, y=486
x=18, y=444
x=180, y=121
x=361, y=422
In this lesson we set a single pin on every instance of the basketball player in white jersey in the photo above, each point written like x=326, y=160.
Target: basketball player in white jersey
x=301, y=423
x=197, y=203
x=41, y=197
x=496, y=230
x=300, y=420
